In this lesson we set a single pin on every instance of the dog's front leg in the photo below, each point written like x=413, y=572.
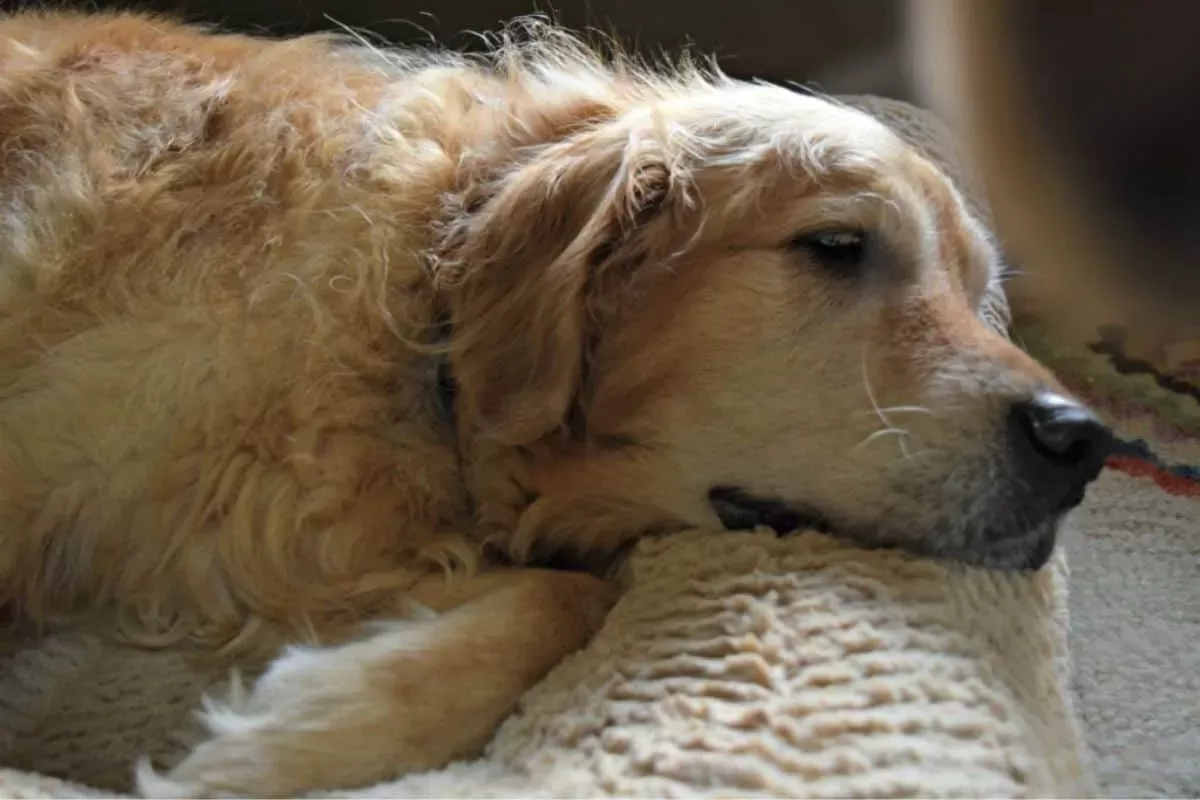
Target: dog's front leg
x=412, y=696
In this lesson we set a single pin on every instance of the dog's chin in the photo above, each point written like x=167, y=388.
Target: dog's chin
x=1027, y=550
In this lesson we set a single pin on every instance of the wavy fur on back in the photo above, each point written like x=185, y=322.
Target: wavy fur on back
x=222, y=261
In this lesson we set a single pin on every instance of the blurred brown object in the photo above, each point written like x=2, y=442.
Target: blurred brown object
x=780, y=40
x=1082, y=118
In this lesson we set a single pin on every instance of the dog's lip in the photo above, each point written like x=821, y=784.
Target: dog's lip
x=1039, y=555
x=739, y=509
x=1072, y=500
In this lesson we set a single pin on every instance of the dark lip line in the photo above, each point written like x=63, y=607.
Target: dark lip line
x=740, y=510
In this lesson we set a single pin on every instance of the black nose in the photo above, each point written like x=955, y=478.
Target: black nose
x=1060, y=448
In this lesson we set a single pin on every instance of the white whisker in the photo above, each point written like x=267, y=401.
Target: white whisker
x=879, y=412
x=928, y=451
x=899, y=410
x=880, y=434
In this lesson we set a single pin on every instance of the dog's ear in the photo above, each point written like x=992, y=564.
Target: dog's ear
x=520, y=266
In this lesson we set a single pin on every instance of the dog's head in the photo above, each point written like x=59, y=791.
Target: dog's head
x=740, y=303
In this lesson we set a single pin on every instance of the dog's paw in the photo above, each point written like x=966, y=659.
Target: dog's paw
x=411, y=696
x=215, y=769
x=301, y=728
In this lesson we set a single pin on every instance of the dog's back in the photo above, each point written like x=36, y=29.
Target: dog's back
x=209, y=274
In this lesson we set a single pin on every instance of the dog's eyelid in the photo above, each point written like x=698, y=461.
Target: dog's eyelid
x=841, y=249
x=832, y=232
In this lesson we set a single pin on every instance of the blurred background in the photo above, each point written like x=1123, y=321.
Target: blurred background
x=843, y=45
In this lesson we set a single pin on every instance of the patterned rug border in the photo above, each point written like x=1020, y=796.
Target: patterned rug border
x=1135, y=457
x=1125, y=390
x=1111, y=345
x=1132, y=393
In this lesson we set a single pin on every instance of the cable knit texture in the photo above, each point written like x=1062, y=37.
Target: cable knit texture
x=736, y=664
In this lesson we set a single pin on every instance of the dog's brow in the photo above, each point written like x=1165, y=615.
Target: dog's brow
x=962, y=256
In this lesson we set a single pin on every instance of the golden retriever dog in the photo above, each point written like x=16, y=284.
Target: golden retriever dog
x=300, y=335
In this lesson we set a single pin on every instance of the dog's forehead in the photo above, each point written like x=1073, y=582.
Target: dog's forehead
x=769, y=113
x=788, y=106
x=772, y=130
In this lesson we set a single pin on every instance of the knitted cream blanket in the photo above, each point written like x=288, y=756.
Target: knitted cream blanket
x=736, y=664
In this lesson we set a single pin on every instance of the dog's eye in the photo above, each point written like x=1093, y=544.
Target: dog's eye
x=841, y=250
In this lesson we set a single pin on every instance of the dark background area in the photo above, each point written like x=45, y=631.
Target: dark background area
x=841, y=45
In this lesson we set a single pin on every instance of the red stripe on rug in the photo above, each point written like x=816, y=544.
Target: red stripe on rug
x=1172, y=484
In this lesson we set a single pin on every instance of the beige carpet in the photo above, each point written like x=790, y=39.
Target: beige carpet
x=1135, y=563
x=1135, y=639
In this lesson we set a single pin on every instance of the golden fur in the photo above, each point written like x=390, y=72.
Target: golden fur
x=224, y=264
